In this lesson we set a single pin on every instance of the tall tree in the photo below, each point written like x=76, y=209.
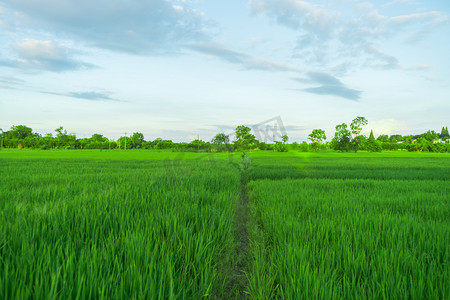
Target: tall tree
x=444, y=133
x=63, y=139
x=356, y=125
x=342, y=138
x=137, y=140
x=243, y=137
x=372, y=144
x=316, y=137
x=221, y=141
x=20, y=131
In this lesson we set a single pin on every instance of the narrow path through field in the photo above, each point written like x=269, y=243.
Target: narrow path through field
x=238, y=259
x=240, y=225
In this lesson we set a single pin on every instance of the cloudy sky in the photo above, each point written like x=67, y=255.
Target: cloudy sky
x=181, y=69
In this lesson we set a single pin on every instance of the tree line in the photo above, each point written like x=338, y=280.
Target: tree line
x=346, y=138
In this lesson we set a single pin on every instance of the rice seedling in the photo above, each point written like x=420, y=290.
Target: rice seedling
x=352, y=229
x=75, y=227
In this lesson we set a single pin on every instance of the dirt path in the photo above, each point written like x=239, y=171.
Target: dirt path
x=237, y=261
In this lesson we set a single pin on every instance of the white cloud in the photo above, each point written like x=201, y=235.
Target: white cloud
x=246, y=61
x=432, y=16
x=34, y=49
x=421, y=67
x=297, y=14
x=401, y=2
x=331, y=38
x=136, y=26
x=386, y=126
x=43, y=55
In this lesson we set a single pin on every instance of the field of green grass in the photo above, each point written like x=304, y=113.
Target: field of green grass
x=352, y=226
x=163, y=225
x=80, y=225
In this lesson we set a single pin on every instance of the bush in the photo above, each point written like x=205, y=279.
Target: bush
x=303, y=147
x=281, y=147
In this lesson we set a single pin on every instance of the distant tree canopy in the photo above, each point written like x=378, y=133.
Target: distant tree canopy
x=22, y=136
x=444, y=133
x=221, y=142
x=372, y=145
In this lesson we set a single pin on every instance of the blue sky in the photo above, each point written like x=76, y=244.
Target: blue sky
x=182, y=69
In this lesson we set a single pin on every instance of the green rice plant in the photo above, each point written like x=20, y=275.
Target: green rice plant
x=113, y=227
x=354, y=238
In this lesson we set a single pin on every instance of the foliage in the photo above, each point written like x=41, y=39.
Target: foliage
x=303, y=147
x=281, y=147
x=373, y=145
x=23, y=136
x=444, y=133
x=221, y=142
x=244, y=139
x=342, y=138
x=383, y=138
x=137, y=140
x=317, y=136
x=357, y=124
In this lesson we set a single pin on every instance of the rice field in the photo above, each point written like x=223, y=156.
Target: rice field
x=343, y=227
x=113, y=228
x=140, y=225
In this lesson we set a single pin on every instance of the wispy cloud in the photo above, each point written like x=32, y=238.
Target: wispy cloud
x=43, y=55
x=247, y=62
x=434, y=17
x=328, y=85
x=89, y=95
x=328, y=37
x=135, y=26
x=421, y=67
x=7, y=82
x=401, y=2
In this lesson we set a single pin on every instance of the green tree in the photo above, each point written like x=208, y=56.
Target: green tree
x=303, y=147
x=124, y=143
x=20, y=131
x=282, y=146
x=383, y=138
x=243, y=137
x=2, y=137
x=221, y=142
x=430, y=135
x=63, y=139
x=444, y=133
x=98, y=138
x=373, y=145
x=421, y=145
x=396, y=138
x=317, y=136
x=342, y=138
x=137, y=139
x=356, y=126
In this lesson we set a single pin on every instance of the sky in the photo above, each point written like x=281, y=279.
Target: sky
x=182, y=69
